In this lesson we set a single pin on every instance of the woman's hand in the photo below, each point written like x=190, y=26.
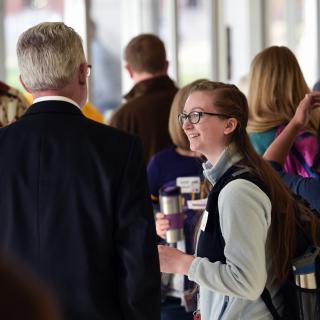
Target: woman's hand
x=173, y=260
x=280, y=147
x=162, y=225
x=303, y=112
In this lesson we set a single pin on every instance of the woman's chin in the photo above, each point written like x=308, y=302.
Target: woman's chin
x=192, y=147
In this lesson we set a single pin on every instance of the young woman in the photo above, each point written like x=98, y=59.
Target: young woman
x=276, y=87
x=256, y=221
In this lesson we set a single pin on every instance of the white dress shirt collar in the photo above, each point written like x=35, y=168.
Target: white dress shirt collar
x=56, y=98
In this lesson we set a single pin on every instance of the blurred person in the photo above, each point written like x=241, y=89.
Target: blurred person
x=22, y=295
x=76, y=208
x=246, y=238
x=91, y=112
x=147, y=107
x=106, y=75
x=307, y=188
x=276, y=88
x=165, y=169
x=13, y=104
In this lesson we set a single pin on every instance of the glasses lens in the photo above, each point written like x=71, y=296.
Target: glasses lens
x=194, y=117
x=181, y=118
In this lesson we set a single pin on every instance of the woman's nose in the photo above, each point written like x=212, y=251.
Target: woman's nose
x=186, y=125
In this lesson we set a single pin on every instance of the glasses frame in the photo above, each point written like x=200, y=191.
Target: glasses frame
x=182, y=117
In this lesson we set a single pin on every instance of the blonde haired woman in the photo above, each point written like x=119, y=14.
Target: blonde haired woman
x=276, y=88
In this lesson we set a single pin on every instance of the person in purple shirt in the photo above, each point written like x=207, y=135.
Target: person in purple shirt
x=163, y=169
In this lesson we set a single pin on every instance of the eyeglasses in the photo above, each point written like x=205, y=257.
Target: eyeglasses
x=195, y=116
x=89, y=66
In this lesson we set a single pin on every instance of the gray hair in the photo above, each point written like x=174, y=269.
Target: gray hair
x=49, y=54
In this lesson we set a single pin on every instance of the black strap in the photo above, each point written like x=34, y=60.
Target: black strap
x=237, y=172
x=266, y=297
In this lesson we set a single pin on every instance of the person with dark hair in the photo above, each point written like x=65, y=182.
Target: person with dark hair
x=246, y=236
x=74, y=201
x=147, y=107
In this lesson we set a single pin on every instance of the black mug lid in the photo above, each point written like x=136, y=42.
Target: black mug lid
x=170, y=191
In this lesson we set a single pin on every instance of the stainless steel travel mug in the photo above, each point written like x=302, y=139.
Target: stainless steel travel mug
x=170, y=205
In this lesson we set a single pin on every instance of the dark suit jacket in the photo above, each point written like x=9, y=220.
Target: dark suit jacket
x=74, y=206
x=146, y=113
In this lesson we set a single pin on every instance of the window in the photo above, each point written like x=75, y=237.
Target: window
x=293, y=24
x=193, y=37
x=19, y=16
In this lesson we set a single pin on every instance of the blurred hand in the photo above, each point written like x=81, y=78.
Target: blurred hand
x=162, y=225
x=307, y=104
x=173, y=260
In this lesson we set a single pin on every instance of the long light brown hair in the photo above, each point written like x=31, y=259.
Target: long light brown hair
x=276, y=87
x=228, y=99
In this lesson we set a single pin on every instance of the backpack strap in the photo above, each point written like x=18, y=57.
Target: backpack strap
x=244, y=173
x=266, y=297
x=233, y=173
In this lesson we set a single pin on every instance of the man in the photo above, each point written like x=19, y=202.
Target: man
x=74, y=204
x=146, y=110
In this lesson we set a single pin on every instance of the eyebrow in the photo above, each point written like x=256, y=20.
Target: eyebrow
x=195, y=109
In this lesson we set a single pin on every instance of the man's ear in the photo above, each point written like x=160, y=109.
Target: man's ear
x=231, y=125
x=129, y=69
x=82, y=76
x=23, y=84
